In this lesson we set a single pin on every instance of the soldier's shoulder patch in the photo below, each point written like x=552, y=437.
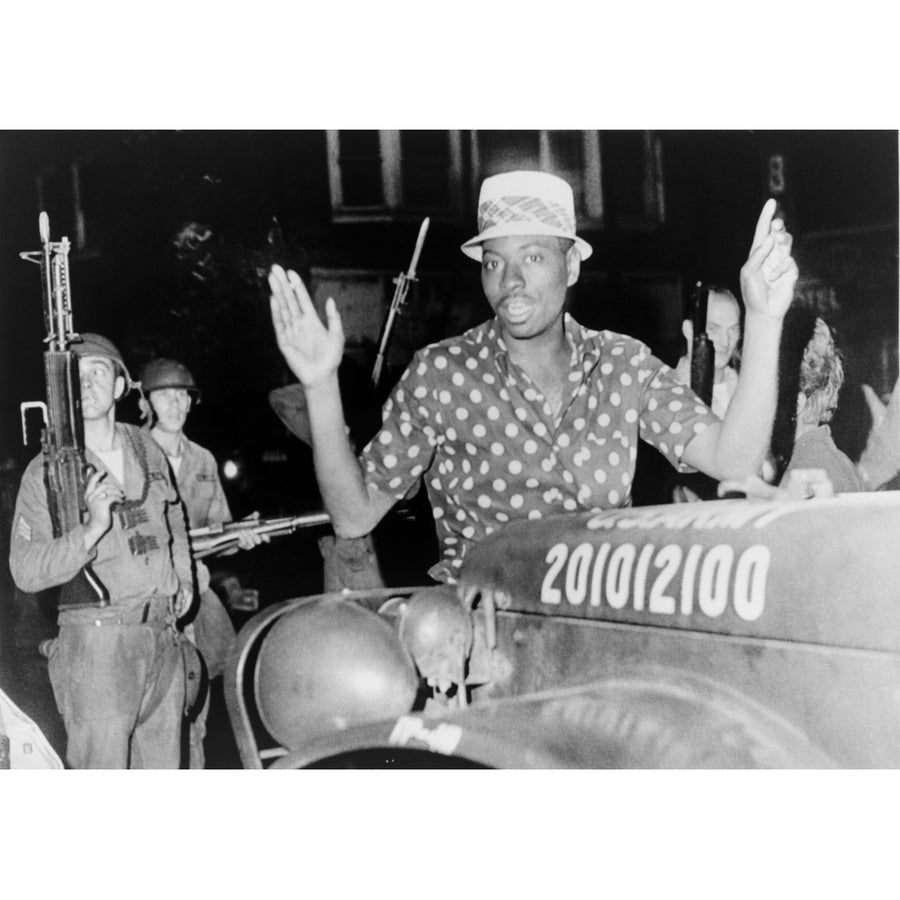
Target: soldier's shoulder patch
x=23, y=529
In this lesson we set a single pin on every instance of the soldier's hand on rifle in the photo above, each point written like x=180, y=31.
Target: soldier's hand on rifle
x=99, y=495
x=312, y=350
x=770, y=273
x=247, y=540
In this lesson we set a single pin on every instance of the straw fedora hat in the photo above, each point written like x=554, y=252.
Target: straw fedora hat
x=515, y=203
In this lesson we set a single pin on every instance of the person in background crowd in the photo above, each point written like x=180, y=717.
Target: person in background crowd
x=879, y=463
x=804, y=461
x=821, y=375
x=723, y=327
x=529, y=414
x=169, y=390
x=118, y=672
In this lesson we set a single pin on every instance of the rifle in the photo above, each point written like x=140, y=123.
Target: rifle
x=702, y=351
x=218, y=538
x=402, y=281
x=62, y=438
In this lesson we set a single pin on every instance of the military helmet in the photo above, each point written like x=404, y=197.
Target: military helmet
x=438, y=631
x=167, y=373
x=96, y=345
x=330, y=664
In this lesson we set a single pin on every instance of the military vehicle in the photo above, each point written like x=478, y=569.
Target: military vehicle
x=721, y=634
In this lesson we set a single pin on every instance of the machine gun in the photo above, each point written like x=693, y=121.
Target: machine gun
x=62, y=438
x=212, y=539
x=702, y=350
x=402, y=281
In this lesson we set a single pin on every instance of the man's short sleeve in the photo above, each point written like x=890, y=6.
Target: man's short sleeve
x=395, y=459
x=672, y=415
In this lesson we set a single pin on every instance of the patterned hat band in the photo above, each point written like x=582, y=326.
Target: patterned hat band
x=525, y=203
x=524, y=209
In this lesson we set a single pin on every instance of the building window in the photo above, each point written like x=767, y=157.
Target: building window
x=618, y=173
x=573, y=155
x=633, y=177
x=422, y=154
x=361, y=179
x=392, y=174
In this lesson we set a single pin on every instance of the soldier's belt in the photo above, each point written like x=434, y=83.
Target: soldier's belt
x=152, y=612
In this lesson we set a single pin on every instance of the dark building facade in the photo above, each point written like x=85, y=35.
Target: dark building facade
x=173, y=233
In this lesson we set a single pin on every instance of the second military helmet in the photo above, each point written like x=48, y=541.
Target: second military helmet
x=167, y=373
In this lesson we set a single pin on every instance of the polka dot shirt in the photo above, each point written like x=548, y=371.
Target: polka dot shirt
x=473, y=425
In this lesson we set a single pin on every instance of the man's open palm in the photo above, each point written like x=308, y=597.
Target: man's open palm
x=312, y=350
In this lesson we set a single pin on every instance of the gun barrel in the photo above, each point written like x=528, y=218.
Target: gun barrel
x=700, y=306
x=702, y=360
x=420, y=241
x=211, y=539
x=702, y=351
x=402, y=281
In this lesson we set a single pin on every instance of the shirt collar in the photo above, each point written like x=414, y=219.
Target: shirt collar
x=580, y=338
x=586, y=345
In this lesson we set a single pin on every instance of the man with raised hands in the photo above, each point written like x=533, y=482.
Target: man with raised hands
x=530, y=414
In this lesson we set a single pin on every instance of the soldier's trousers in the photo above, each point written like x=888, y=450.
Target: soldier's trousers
x=120, y=689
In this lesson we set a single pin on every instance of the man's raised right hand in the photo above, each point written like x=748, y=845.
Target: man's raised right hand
x=313, y=351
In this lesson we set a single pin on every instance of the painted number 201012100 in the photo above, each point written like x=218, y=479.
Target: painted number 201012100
x=661, y=580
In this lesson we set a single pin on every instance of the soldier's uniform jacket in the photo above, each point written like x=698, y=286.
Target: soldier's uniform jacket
x=204, y=500
x=201, y=493
x=200, y=487
x=144, y=554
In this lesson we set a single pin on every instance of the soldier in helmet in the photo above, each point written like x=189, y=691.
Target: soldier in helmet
x=169, y=391
x=118, y=671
